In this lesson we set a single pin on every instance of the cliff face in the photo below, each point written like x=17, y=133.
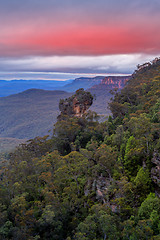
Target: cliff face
x=79, y=109
x=83, y=82
x=155, y=171
x=112, y=82
x=75, y=106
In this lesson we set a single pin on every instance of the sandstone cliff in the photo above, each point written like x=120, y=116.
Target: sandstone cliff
x=76, y=105
x=112, y=82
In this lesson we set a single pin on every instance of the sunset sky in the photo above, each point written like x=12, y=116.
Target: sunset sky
x=60, y=39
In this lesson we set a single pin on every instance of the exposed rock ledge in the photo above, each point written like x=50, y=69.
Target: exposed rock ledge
x=155, y=171
x=76, y=105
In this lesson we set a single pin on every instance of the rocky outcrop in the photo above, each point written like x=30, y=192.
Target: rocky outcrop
x=76, y=105
x=155, y=171
x=103, y=191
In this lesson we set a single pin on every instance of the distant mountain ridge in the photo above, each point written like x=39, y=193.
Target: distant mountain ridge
x=82, y=82
x=109, y=82
x=33, y=112
x=15, y=86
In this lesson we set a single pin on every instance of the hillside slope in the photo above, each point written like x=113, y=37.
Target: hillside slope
x=30, y=113
x=141, y=93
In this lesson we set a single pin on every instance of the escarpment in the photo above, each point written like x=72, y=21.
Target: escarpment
x=112, y=82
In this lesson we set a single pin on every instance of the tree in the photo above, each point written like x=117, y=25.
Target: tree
x=142, y=183
x=132, y=157
x=150, y=203
x=99, y=224
x=106, y=158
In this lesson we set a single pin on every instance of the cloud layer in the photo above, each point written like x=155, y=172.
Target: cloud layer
x=78, y=35
x=54, y=67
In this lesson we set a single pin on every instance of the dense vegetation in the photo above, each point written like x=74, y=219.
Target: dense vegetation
x=92, y=180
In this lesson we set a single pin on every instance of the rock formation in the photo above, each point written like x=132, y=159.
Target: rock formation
x=155, y=171
x=76, y=105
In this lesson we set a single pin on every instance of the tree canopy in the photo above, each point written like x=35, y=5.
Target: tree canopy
x=91, y=180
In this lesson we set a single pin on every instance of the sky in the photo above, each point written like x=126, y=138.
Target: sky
x=61, y=39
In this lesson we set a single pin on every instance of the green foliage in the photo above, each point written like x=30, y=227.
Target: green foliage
x=74, y=133
x=91, y=180
x=133, y=156
x=155, y=114
x=98, y=225
x=5, y=230
x=142, y=183
x=135, y=231
x=106, y=157
x=150, y=204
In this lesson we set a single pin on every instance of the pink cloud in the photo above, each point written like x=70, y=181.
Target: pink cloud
x=21, y=39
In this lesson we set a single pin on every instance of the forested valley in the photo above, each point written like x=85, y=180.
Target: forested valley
x=90, y=180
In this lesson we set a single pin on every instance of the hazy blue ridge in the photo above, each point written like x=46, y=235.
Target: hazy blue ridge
x=15, y=86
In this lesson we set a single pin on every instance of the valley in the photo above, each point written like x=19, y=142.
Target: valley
x=33, y=112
